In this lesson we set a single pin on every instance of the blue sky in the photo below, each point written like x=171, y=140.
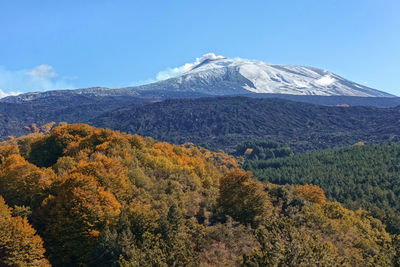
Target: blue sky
x=75, y=44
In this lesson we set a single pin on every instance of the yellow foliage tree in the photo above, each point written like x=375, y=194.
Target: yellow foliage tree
x=19, y=243
x=22, y=183
x=312, y=193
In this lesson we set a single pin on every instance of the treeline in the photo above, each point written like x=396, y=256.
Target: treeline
x=82, y=196
x=358, y=176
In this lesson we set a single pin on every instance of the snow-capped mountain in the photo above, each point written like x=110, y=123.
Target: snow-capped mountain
x=217, y=75
x=213, y=75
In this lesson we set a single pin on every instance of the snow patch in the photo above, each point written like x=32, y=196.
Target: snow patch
x=4, y=94
x=325, y=80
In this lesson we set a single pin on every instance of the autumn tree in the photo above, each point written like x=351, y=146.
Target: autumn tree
x=242, y=197
x=19, y=243
x=22, y=183
x=312, y=193
x=72, y=220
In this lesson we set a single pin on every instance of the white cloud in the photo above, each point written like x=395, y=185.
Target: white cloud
x=39, y=78
x=210, y=56
x=43, y=71
x=173, y=72
x=169, y=73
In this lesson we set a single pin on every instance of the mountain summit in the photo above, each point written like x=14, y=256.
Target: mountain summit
x=218, y=75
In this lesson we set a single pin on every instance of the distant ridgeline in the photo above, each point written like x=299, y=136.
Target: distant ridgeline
x=102, y=198
x=366, y=176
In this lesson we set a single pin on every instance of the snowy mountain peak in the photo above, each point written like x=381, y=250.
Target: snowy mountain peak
x=218, y=75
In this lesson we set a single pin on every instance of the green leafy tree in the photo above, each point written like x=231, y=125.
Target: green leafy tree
x=283, y=243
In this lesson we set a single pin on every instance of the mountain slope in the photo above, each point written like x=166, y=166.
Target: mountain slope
x=220, y=122
x=226, y=121
x=68, y=108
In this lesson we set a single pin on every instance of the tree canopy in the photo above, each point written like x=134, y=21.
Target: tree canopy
x=94, y=197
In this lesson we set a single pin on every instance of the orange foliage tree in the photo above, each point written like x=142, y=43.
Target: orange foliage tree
x=72, y=220
x=312, y=193
x=22, y=183
x=19, y=243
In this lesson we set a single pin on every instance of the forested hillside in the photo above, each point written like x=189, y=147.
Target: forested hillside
x=222, y=123
x=358, y=176
x=216, y=123
x=71, y=109
x=101, y=198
